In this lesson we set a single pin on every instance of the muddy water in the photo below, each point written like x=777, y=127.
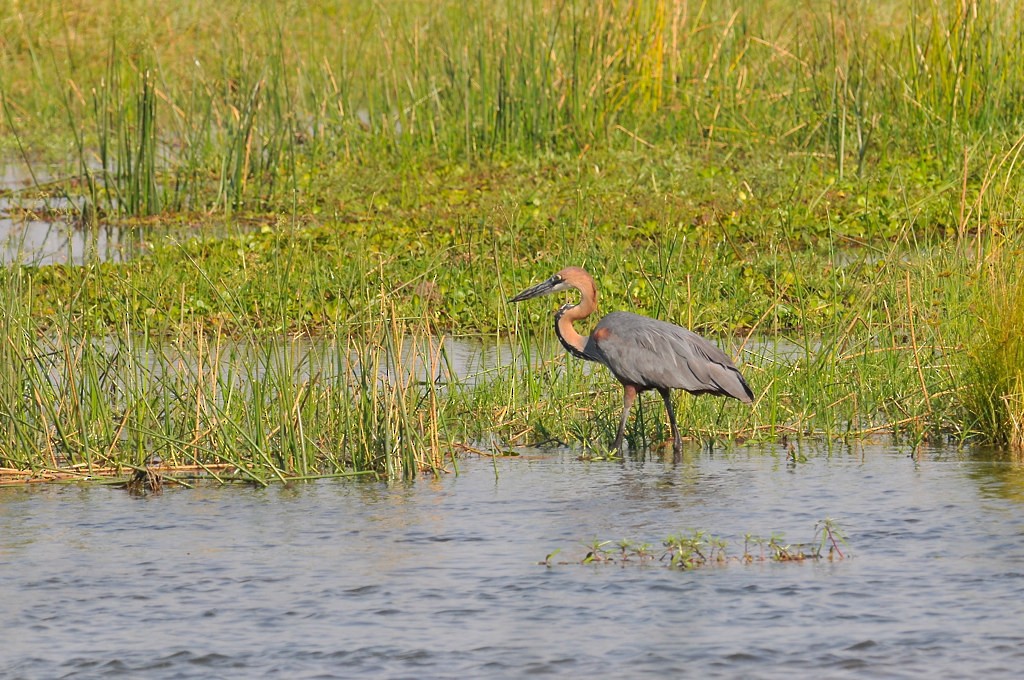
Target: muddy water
x=440, y=578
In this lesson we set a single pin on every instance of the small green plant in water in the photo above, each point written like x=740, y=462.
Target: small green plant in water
x=701, y=549
x=597, y=552
x=831, y=536
x=696, y=550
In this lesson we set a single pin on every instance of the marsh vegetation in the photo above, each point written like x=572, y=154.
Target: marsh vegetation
x=830, y=190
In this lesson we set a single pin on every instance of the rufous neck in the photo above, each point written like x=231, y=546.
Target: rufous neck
x=567, y=334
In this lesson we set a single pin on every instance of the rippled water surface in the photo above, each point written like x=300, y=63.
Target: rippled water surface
x=441, y=578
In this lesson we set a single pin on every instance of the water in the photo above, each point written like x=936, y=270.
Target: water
x=48, y=242
x=440, y=578
x=45, y=231
x=32, y=233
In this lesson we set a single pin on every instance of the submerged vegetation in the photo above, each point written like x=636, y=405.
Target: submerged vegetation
x=830, y=189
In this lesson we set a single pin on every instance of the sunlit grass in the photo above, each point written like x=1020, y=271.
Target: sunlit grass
x=915, y=343
x=188, y=106
x=906, y=359
x=993, y=357
x=828, y=190
x=250, y=407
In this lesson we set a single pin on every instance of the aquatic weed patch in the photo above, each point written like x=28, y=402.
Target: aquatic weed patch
x=713, y=268
x=699, y=549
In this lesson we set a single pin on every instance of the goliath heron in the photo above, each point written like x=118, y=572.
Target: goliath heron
x=641, y=352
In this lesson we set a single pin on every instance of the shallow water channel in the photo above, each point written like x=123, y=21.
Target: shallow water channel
x=36, y=236
x=441, y=578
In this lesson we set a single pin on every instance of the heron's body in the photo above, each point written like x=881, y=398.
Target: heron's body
x=641, y=352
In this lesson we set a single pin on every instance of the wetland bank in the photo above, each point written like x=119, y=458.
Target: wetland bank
x=257, y=264
x=375, y=178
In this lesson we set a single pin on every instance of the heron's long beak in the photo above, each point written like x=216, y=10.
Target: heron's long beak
x=542, y=288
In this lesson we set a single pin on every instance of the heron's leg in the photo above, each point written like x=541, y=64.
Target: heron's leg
x=677, y=441
x=628, y=395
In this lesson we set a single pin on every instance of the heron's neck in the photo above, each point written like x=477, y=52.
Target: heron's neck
x=567, y=335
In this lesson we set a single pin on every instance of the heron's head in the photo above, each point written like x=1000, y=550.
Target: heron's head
x=570, y=277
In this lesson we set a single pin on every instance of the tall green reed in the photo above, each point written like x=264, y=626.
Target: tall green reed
x=208, y=118
x=269, y=408
x=992, y=392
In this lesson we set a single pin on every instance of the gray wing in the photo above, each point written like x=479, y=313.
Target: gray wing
x=656, y=354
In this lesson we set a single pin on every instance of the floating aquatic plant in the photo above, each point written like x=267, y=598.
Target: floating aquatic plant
x=699, y=549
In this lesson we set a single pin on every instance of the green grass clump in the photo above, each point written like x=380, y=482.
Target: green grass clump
x=993, y=359
x=248, y=407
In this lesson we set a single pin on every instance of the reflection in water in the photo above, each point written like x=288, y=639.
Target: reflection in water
x=999, y=480
x=440, y=578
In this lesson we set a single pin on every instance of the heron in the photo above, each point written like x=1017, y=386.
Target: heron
x=641, y=352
